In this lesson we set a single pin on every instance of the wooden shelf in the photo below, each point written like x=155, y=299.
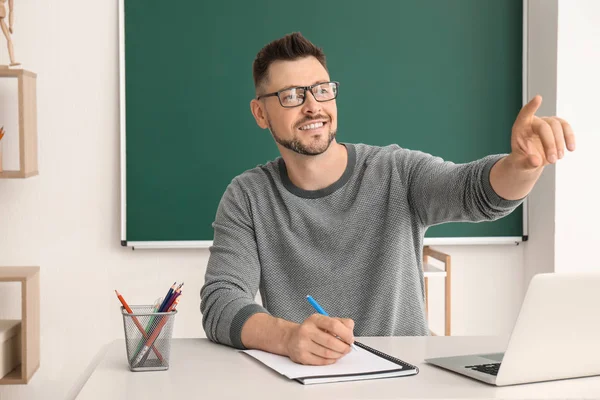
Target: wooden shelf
x=27, y=105
x=16, y=174
x=16, y=73
x=13, y=377
x=17, y=274
x=29, y=277
x=431, y=272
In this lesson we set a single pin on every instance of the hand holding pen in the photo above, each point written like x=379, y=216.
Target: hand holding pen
x=321, y=311
x=319, y=340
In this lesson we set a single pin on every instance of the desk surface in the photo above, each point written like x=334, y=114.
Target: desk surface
x=201, y=369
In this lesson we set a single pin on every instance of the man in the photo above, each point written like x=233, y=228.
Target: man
x=343, y=222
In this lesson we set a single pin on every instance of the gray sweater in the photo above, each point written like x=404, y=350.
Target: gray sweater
x=355, y=246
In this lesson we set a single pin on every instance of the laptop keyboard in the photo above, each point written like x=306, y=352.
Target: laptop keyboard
x=491, y=369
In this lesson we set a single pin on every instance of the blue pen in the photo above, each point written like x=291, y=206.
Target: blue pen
x=320, y=310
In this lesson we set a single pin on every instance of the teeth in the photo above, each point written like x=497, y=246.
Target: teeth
x=312, y=126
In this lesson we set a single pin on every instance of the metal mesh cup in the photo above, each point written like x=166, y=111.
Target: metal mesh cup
x=148, y=338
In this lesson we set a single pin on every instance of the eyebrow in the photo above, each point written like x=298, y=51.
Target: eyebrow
x=295, y=86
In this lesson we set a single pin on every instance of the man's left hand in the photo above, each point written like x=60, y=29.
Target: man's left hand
x=537, y=142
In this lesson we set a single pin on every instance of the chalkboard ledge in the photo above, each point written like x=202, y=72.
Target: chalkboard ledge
x=448, y=241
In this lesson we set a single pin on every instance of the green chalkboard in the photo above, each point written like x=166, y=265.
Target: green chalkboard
x=453, y=86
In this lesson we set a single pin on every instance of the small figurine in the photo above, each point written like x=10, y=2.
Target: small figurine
x=8, y=30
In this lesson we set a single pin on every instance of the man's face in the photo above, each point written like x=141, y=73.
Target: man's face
x=290, y=127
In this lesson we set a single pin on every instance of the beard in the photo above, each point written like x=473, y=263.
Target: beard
x=316, y=146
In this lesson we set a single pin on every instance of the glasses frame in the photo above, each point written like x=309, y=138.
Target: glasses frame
x=306, y=88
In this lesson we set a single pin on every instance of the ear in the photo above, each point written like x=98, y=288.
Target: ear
x=259, y=113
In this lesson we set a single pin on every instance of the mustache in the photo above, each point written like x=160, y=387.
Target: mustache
x=308, y=119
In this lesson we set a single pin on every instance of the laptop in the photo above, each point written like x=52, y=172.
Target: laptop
x=556, y=335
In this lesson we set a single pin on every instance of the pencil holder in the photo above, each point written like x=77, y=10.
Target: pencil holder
x=148, y=338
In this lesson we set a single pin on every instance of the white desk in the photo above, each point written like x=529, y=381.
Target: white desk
x=204, y=370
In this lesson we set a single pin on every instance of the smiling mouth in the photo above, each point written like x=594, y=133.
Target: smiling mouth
x=313, y=126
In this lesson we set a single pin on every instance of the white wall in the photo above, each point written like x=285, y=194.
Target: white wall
x=67, y=219
x=578, y=178
x=486, y=290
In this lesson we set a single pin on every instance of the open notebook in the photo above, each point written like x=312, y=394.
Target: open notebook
x=362, y=363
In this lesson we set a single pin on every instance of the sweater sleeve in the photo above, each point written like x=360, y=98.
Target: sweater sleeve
x=233, y=273
x=440, y=191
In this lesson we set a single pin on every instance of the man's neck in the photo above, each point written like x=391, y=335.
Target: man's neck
x=316, y=172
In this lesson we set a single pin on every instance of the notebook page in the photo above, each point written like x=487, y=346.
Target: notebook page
x=357, y=361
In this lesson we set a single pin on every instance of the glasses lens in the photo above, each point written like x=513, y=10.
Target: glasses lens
x=325, y=91
x=291, y=97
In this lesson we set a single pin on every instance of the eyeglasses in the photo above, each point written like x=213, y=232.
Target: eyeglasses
x=294, y=97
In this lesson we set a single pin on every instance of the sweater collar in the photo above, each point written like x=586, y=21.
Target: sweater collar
x=315, y=194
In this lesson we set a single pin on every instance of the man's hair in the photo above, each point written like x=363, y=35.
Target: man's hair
x=288, y=48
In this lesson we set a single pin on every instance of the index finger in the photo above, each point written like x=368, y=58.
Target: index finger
x=336, y=328
x=529, y=110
